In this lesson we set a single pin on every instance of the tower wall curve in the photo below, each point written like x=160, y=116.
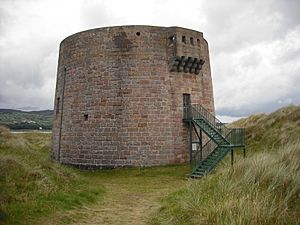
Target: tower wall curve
x=119, y=95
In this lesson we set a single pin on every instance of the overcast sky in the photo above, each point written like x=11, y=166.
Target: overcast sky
x=254, y=46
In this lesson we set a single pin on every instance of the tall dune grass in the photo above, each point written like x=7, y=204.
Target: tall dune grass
x=264, y=189
x=268, y=131
x=31, y=185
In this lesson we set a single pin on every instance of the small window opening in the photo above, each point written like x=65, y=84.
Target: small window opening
x=138, y=33
x=183, y=39
x=192, y=41
x=86, y=117
x=171, y=39
x=198, y=41
x=57, y=105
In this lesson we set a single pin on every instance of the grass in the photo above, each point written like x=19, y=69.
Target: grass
x=263, y=189
x=132, y=195
x=36, y=190
x=33, y=186
x=270, y=131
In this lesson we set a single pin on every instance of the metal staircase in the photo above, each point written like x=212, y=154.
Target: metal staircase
x=221, y=140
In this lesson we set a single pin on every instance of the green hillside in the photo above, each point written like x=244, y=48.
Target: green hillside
x=33, y=120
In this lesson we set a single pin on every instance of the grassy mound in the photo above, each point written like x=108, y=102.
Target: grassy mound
x=33, y=186
x=263, y=189
x=268, y=131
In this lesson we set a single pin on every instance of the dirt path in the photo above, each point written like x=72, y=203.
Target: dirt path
x=121, y=207
x=128, y=200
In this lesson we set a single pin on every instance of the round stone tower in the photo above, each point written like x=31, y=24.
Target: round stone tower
x=120, y=93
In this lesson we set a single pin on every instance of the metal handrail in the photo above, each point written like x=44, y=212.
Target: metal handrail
x=199, y=112
x=206, y=150
x=234, y=136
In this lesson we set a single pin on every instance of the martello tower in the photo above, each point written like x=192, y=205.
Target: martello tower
x=120, y=94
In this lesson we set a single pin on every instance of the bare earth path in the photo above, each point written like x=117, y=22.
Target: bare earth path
x=131, y=196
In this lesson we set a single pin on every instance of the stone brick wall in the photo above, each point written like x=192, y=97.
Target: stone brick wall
x=122, y=104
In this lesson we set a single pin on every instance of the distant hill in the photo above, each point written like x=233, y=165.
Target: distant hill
x=18, y=119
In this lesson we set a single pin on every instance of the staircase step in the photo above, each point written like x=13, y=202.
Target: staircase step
x=211, y=163
x=196, y=176
x=206, y=167
x=217, y=137
x=216, y=155
x=213, y=156
x=202, y=121
x=200, y=171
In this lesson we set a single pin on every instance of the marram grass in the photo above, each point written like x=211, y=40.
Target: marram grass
x=31, y=185
x=264, y=189
x=36, y=190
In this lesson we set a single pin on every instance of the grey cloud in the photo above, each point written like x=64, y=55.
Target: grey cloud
x=22, y=66
x=29, y=83
x=251, y=59
x=254, y=47
x=289, y=10
x=289, y=93
x=25, y=74
x=27, y=62
x=259, y=107
x=4, y=18
x=288, y=56
x=254, y=53
x=235, y=24
x=95, y=14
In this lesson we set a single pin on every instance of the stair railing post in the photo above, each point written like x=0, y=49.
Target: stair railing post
x=231, y=157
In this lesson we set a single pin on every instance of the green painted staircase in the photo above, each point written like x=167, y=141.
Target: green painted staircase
x=208, y=164
x=221, y=140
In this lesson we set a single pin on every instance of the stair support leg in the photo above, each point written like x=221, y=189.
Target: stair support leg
x=199, y=135
x=190, y=141
x=244, y=152
x=201, y=146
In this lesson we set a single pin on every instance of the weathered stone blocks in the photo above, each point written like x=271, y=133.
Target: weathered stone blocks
x=119, y=95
